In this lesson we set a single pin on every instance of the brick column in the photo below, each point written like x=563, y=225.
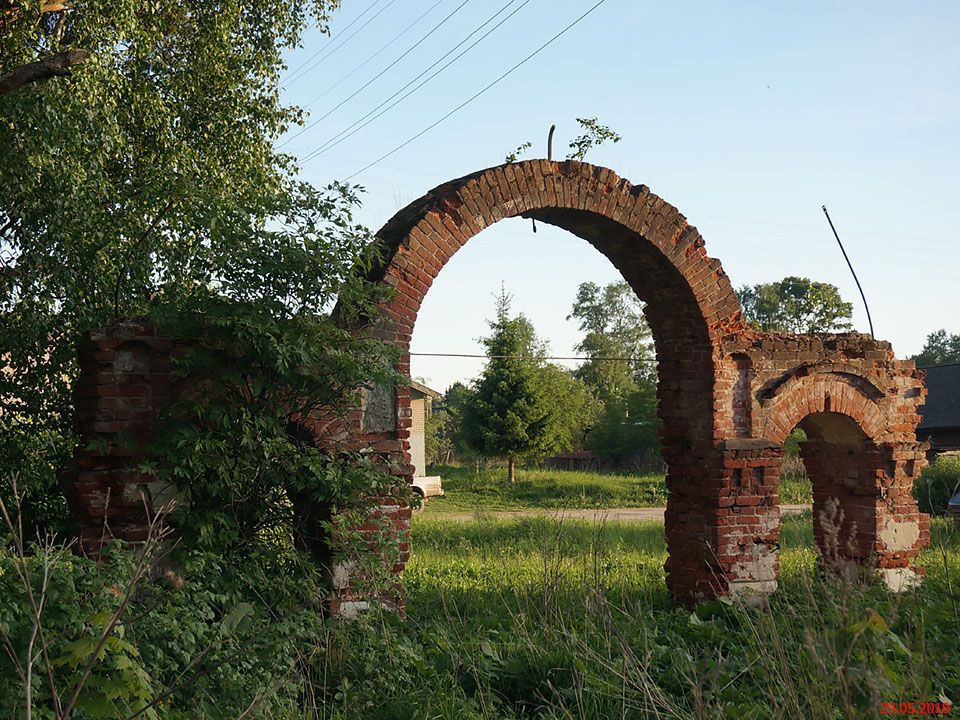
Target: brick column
x=124, y=380
x=863, y=513
x=748, y=526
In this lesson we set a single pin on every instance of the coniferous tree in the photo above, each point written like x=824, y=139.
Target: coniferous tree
x=509, y=414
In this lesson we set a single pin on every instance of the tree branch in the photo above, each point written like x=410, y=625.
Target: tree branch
x=58, y=65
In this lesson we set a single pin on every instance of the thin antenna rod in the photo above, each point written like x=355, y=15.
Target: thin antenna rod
x=852, y=271
x=549, y=157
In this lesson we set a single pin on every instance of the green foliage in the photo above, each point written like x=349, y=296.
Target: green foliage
x=594, y=134
x=519, y=408
x=573, y=407
x=619, y=370
x=940, y=348
x=452, y=438
x=617, y=338
x=628, y=427
x=795, y=305
x=79, y=600
x=937, y=484
x=38, y=453
x=513, y=156
x=241, y=460
x=791, y=446
x=148, y=175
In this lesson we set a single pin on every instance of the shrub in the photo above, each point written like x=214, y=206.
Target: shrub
x=939, y=482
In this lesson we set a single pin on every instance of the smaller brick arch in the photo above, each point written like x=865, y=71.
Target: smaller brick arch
x=828, y=392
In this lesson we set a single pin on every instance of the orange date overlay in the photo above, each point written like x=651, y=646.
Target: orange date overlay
x=915, y=708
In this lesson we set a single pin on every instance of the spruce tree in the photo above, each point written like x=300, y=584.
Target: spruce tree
x=508, y=414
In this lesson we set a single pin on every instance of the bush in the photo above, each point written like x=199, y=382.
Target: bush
x=939, y=482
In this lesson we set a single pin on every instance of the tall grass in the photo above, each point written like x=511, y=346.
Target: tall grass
x=537, y=618
x=475, y=488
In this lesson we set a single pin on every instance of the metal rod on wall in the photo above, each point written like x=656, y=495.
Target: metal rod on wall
x=852, y=271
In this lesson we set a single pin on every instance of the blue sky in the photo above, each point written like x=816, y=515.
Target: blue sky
x=746, y=116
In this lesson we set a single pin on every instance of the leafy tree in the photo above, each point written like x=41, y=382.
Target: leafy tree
x=795, y=305
x=619, y=347
x=617, y=338
x=627, y=429
x=445, y=438
x=573, y=407
x=148, y=179
x=940, y=348
x=509, y=413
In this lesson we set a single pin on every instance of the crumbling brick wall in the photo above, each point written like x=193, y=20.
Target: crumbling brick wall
x=728, y=396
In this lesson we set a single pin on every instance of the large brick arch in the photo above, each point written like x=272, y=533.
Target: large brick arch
x=690, y=302
x=728, y=396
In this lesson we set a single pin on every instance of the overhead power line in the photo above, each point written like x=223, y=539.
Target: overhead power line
x=482, y=91
x=534, y=357
x=307, y=66
x=330, y=40
x=373, y=114
x=376, y=54
x=377, y=76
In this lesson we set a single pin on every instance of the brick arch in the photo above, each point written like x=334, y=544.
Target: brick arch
x=829, y=392
x=690, y=302
x=728, y=395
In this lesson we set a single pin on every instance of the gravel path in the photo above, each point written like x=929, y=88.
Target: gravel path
x=645, y=514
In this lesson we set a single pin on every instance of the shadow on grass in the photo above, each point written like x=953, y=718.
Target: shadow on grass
x=533, y=534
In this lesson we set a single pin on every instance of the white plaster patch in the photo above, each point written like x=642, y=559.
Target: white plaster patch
x=761, y=568
x=350, y=609
x=341, y=574
x=899, y=535
x=900, y=579
x=125, y=361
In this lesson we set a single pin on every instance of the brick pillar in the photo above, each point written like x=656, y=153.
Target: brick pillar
x=124, y=380
x=748, y=526
x=863, y=513
x=689, y=525
x=723, y=524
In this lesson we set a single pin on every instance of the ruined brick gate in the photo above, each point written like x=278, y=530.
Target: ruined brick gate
x=728, y=395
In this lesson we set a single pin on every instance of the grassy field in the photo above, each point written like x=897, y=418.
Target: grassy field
x=535, y=618
x=469, y=489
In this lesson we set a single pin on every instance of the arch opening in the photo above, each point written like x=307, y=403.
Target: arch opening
x=727, y=395
x=689, y=305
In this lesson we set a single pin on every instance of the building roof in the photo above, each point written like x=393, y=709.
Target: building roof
x=424, y=390
x=942, y=408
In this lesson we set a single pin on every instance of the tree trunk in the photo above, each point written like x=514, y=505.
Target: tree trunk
x=510, y=471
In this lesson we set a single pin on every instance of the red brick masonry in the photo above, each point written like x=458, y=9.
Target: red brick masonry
x=728, y=395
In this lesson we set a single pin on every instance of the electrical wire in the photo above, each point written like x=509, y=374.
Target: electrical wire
x=330, y=40
x=356, y=126
x=306, y=67
x=481, y=92
x=377, y=76
x=377, y=53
